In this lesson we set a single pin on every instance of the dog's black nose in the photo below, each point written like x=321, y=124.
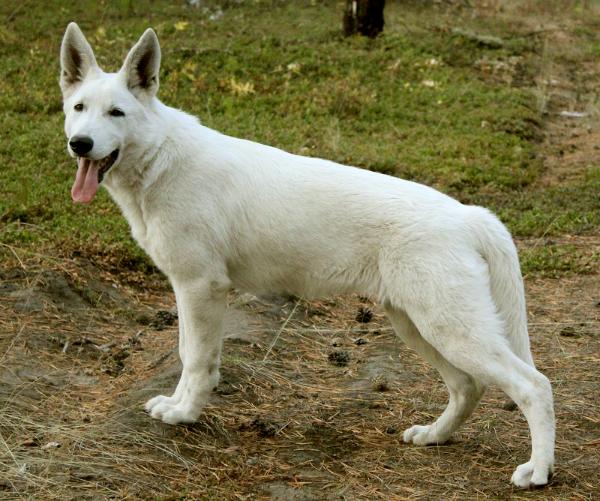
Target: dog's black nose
x=81, y=144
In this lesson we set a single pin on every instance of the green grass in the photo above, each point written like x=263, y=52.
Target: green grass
x=280, y=73
x=556, y=260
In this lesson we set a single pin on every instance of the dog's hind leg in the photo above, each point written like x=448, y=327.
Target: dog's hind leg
x=465, y=392
x=201, y=305
x=455, y=314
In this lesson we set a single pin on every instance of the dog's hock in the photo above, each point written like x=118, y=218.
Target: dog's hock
x=76, y=58
x=142, y=65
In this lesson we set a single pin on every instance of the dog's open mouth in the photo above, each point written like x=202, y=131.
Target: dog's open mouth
x=90, y=174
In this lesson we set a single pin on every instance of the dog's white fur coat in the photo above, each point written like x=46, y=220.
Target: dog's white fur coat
x=216, y=212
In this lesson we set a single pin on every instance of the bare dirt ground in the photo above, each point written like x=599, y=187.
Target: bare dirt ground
x=311, y=405
x=314, y=396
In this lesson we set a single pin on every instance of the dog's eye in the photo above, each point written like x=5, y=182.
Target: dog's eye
x=78, y=107
x=116, y=112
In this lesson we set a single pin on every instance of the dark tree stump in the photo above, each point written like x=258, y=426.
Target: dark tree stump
x=364, y=17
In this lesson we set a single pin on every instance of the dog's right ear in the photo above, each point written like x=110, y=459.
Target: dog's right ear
x=76, y=59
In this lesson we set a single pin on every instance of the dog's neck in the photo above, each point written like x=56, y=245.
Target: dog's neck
x=130, y=183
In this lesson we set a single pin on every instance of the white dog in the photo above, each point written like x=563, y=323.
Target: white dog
x=215, y=212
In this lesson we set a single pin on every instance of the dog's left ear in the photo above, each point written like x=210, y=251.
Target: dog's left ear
x=142, y=64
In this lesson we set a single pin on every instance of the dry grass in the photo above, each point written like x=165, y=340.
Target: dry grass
x=285, y=422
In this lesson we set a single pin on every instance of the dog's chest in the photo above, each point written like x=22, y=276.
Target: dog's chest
x=148, y=231
x=133, y=212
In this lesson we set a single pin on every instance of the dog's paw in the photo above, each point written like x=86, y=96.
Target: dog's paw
x=422, y=435
x=160, y=399
x=174, y=413
x=417, y=434
x=527, y=475
x=179, y=415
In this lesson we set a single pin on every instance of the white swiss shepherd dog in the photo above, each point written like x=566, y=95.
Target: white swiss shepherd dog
x=216, y=212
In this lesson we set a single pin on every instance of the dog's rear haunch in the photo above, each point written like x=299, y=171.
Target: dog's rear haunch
x=216, y=212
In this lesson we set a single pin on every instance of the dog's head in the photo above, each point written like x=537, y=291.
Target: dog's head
x=103, y=111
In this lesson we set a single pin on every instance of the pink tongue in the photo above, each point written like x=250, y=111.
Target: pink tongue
x=86, y=182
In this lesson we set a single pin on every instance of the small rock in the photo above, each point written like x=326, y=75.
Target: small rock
x=163, y=319
x=364, y=316
x=339, y=358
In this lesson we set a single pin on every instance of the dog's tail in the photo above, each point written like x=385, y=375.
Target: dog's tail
x=496, y=246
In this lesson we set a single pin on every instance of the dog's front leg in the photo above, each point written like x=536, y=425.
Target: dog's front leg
x=176, y=397
x=201, y=305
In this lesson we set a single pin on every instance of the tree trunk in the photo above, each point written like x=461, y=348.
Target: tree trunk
x=364, y=17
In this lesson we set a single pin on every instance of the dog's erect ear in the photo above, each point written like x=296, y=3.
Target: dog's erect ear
x=142, y=65
x=76, y=59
